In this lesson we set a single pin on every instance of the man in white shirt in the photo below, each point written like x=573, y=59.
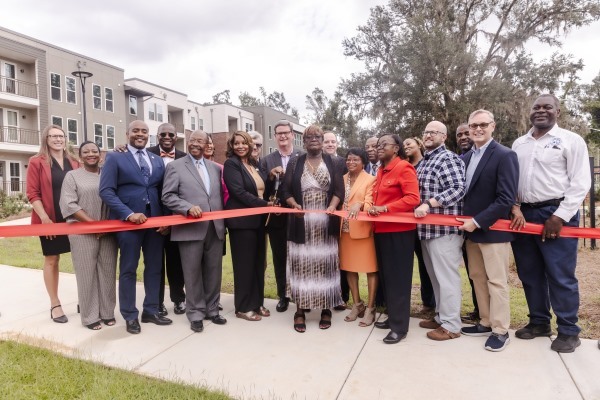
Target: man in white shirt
x=554, y=178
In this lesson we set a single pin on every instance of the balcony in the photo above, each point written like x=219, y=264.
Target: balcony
x=18, y=87
x=13, y=187
x=10, y=134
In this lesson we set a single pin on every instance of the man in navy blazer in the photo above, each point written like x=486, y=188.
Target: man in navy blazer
x=492, y=175
x=131, y=184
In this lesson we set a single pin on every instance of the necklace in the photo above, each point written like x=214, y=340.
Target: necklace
x=312, y=167
x=352, y=179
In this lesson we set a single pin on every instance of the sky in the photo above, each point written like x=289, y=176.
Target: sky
x=204, y=47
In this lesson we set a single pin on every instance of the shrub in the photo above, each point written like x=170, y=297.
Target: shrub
x=11, y=205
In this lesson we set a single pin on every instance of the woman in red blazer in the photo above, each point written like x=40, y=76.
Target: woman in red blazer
x=45, y=175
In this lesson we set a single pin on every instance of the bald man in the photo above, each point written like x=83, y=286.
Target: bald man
x=442, y=186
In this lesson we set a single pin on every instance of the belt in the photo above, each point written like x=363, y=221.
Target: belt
x=552, y=202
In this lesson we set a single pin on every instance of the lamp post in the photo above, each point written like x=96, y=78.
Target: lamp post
x=83, y=75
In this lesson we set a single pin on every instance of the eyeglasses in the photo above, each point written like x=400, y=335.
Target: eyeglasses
x=482, y=125
x=350, y=161
x=282, y=133
x=165, y=134
x=257, y=144
x=432, y=133
x=313, y=137
x=56, y=136
x=382, y=146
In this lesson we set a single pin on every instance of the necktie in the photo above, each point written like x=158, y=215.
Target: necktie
x=165, y=154
x=200, y=169
x=144, y=166
x=374, y=169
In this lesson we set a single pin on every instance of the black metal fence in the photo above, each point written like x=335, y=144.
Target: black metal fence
x=18, y=87
x=10, y=134
x=13, y=187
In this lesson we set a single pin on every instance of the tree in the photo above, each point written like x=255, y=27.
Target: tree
x=441, y=59
x=274, y=100
x=590, y=99
x=222, y=97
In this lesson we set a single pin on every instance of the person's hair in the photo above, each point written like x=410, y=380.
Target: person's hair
x=312, y=130
x=481, y=111
x=85, y=143
x=419, y=143
x=247, y=140
x=356, y=151
x=44, y=151
x=556, y=100
x=255, y=135
x=398, y=141
x=283, y=122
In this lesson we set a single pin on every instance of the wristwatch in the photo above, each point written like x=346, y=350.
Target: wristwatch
x=428, y=203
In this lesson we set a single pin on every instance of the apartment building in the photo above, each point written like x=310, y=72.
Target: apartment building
x=266, y=118
x=37, y=88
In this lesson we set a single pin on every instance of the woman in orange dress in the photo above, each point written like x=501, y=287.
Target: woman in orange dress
x=357, y=246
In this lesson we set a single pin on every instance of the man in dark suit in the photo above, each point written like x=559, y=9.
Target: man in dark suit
x=276, y=164
x=131, y=184
x=192, y=185
x=492, y=176
x=165, y=149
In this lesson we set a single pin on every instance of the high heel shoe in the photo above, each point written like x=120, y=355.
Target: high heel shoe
x=369, y=317
x=358, y=311
x=62, y=319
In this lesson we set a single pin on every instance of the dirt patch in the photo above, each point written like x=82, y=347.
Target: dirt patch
x=22, y=214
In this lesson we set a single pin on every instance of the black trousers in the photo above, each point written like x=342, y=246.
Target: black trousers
x=395, y=261
x=174, y=272
x=278, y=243
x=248, y=259
x=466, y=259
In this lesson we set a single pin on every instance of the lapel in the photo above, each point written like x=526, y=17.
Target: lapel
x=484, y=159
x=194, y=172
x=134, y=165
x=248, y=175
x=359, y=182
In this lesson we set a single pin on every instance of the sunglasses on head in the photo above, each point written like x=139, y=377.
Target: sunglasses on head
x=165, y=134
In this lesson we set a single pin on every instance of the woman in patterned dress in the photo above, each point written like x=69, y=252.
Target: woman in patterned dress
x=313, y=182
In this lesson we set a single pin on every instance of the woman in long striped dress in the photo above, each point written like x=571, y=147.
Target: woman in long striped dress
x=94, y=255
x=313, y=182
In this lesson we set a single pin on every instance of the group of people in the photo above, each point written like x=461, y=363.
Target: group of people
x=317, y=256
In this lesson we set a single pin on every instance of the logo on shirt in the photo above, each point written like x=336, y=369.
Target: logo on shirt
x=555, y=143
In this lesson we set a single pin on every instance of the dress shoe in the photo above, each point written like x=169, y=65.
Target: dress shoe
x=441, y=334
x=429, y=324
x=155, y=319
x=61, y=319
x=197, y=326
x=133, y=326
x=393, y=337
x=162, y=311
x=216, y=319
x=382, y=324
x=283, y=304
x=179, y=307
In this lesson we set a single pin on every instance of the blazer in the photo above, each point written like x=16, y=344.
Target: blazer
x=183, y=188
x=156, y=150
x=242, y=194
x=123, y=188
x=292, y=188
x=361, y=192
x=492, y=192
x=39, y=186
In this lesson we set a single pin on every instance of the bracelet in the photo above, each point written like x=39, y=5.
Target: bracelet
x=428, y=203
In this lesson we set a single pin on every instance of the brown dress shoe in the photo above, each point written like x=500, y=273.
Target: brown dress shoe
x=429, y=324
x=442, y=334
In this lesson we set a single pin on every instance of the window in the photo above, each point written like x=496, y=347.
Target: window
x=55, y=87
x=132, y=105
x=110, y=137
x=70, y=89
x=152, y=140
x=57, y=121
x=155, y=112
x=193, y=123
x=11, y=126
x=72, y=131
x=270, y=132
x=98, y=135
x=108, y=100
x=15, y=177
x=97, y=95
x=248, y=127
x=159, y=113
x=10, y=75
x=200, y=124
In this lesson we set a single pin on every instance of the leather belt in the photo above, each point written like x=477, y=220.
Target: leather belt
x=552, y=202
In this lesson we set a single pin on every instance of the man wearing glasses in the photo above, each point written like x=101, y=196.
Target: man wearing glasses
x=276, y=164
x=441, y=177
x=257, y=138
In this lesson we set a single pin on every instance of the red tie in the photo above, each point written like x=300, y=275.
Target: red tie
x=170, y=155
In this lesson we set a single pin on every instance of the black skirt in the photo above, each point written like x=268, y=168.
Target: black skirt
x=58, y=245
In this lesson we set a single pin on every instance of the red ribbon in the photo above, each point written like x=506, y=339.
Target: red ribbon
x=81, y=228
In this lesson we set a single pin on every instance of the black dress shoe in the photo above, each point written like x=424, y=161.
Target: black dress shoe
x=393, y=337
x=162, y=311
x=197, y=326
x=283, y=304
x=133, y=326
x=220, y=307
x=179, y=308
x=155, y=319
x=216, y=319
x=382, y=324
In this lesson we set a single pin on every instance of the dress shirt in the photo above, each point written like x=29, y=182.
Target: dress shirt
x=201, y=167
x=441, y=176
x=134, y=151
x=373, y=167
x=285, y=159
x=474, y=162
x=551, y=167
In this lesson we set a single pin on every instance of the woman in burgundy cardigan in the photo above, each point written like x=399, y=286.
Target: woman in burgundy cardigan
x=45, y=175
x=396, y=190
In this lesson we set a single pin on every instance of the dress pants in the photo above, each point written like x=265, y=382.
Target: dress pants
x=202, y=264
x=131, y=244
x=174, y=272
x=278, y=243
x=427, y=296
x=442, y=257
x=547, y=270
x=395, y=262
x=248, y=259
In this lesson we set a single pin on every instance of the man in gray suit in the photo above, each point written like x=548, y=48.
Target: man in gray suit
x=192, y=185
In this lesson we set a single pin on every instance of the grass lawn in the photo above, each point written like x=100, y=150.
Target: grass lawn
x=28, y=372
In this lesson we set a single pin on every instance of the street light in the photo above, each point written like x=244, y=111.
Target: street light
x=83, y=75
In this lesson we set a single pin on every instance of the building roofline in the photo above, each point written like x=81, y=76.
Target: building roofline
x=154, y=84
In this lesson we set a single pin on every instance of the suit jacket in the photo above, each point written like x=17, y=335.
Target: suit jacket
x=183, y=188
x=492, y=192
x=242, y=194
x=361, y=192
x=156, y=150
x=39, y=186
x=123, y=188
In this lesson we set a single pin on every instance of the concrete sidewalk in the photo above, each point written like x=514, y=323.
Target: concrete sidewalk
x=269, y=360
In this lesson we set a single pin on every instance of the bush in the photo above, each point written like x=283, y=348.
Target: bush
x=11, y=205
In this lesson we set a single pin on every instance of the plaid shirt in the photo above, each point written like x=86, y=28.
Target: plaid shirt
x=441, y=176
